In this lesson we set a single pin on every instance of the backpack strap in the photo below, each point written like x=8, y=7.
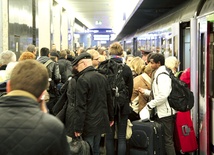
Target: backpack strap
x=160, y=74
x=47, y=63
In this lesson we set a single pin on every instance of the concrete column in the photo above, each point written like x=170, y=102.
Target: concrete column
x=44, y=23
x=56, y=10
x=4, y=25
x=64, y=30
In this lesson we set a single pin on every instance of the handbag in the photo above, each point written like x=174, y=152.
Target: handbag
x=79, y=147
x=128, y=130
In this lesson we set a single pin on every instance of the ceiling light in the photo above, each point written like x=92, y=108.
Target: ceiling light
x=98, y=22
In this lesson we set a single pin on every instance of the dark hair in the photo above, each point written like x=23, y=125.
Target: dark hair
x=149, y=57
x=44, y=51
x=158, y=58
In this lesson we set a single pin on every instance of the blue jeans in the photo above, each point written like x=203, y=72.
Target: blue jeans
x=94, y=142
x=121, y=135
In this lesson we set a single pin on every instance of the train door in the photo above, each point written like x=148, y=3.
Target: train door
x=211, y=82
x=206, y=39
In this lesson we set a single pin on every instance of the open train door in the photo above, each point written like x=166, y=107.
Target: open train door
x=206, y=84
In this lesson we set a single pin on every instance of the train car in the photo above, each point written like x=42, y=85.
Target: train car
x=187, y=32
x=205, y=69
x=170, y=34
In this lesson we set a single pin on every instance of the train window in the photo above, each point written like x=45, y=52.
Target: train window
x=202, y=64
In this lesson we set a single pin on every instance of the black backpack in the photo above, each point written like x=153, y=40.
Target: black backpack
x=113, y=72
x=180, y=98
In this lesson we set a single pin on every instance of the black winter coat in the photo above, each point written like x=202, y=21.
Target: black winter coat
x=26, y=130
x=69, y=115
x=94, y=107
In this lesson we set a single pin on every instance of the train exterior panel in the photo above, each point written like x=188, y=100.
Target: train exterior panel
x=188, y=33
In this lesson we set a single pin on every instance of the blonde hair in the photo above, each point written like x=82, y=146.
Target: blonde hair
x=137, y=64
x=172, y=63
x=148, y=70
x=116, y=49
x=93, y=53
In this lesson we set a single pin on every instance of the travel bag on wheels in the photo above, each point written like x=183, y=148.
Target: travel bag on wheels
x=147, y=138
x=184, y=135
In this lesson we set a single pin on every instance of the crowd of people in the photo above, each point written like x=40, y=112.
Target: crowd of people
x=31, y=85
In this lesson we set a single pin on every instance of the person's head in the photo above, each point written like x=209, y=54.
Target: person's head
x=30, y=76
x=145, y=54
x=82, y=61
x=129, y=51
x=54, y=56
x=26, y=55
x=9, y=69
x=148, y=57
x=7, y=56
x=115, y=49
x=31, y=48
x=45, y=52
x=95, y=56
x=148, y=70
x=172, y=63
x=80, y=50
x=53, y=48
x=102, y=50
x=137, y=64
x=63, y=54
x=129, y=58
x=157, y=60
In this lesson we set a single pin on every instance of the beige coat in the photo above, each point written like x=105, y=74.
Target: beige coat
x=143, y=81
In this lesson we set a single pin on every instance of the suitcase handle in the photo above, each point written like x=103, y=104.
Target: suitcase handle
x=185, y=130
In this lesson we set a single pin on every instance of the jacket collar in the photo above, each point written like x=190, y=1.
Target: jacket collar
x=21, y=93
x=90, y=68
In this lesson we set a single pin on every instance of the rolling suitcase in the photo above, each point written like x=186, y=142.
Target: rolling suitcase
x=147, y=138
x=184, y=135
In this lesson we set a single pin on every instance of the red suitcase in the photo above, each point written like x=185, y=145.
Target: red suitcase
x=184, y=136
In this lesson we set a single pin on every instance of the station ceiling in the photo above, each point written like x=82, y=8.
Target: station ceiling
x=146, y=11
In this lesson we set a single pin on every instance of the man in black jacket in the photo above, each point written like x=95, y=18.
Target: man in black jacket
x=54, y=76
x=24, y=128
x=94, y=108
